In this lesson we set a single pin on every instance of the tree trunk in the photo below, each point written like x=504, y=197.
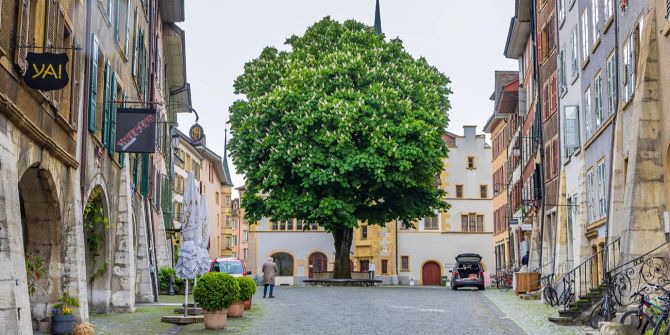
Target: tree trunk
x=343, y=238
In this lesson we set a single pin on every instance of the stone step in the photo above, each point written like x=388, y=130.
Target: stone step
x=562, y=320
x=182, y=320
x=569, y=313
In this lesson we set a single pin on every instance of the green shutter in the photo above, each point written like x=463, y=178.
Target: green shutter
x=136, y=166
x=144, y=188
x=112, y=120
x=106, y=103
x=166, y=201
x=93, y=89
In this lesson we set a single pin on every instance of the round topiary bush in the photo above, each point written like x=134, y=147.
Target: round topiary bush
x=247, y=288
x=216, y=291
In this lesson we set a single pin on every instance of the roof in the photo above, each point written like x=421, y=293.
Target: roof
x=172, y=10
x=519, y=30
x=174, y=47
x=218, y=165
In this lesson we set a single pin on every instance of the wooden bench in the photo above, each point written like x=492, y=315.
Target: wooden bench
x=342, y=282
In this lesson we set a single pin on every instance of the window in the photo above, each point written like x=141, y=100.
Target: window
x=602, y=189
x=471, y=162
x=667, y=10
x=571, y=130
x=289, y=224
x=574, y=53
x=364, y=232
x=459, y=191
x=608, y=9
x=595, y=23
x=598, y=91
x=234, y=223
x=298, y=225
x=561, y=11
x=314, y=226
x=472, y=223
x=464, y=223
x=275, y=225
x=245, y=236
x=480, y=223
x=282, y=225
x=553, y=95
x=562, y=75
x=227, y=221
x=589, y=197
x=430, y=223
x=385, y=266
x=227, y=242
x=483, y=191
x=234, y=240
x=245, y=253
x=585, y=35
x=628, y=68
x=611, y=85
x=404, y=263
x=587, y=112
x=227, y=200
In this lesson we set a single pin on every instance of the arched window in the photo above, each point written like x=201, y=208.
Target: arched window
x=284, y=263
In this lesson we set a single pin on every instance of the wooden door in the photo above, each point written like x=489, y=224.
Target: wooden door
x=431, y=273
x=364, y=265
x=317, y=263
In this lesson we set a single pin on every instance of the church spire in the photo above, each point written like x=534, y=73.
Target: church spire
x=378, y=20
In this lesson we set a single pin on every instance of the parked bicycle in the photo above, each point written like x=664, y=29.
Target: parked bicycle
x=645, y=315
x=604, y=311
x=503, y=280
x=663, y=320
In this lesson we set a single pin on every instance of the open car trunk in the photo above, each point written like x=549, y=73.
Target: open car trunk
x=468, y=271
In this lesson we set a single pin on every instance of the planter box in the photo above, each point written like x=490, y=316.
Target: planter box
x=527, y=282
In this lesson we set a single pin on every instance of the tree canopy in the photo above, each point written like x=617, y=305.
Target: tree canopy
x=343, y=127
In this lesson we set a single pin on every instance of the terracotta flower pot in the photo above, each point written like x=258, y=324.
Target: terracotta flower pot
x=247, y=304
x=215, y=319
x=236, y=310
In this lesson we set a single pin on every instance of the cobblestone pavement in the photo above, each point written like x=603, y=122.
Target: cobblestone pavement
x=351, y=310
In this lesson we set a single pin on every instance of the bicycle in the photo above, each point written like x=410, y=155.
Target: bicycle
x=662, y=323
x=504, y=280
x=549, y=292
x=604, y=311
x=638, y=317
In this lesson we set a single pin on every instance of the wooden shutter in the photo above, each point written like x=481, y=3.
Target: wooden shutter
x=59, y=35
x=134, y=53
x=144, y=187
x=22, y=35
x=75, y=87
x=93, y=88
x=51, y=23
x=127, y=40
x=106, y=103
x=117, y=19
x=111, y=128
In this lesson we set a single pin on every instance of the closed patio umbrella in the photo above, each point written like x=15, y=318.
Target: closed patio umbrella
x=203, y=216
x=188, y=264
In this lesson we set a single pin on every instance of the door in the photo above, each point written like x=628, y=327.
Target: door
x=364, y=265
x=430, y=274
x=317, y=263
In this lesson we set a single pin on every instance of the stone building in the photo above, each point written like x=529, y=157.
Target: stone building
x=243, y=228
x=501, y=126
x=216, y=186
x=40, y=195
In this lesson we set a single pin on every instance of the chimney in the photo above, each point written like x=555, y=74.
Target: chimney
x=470, y=132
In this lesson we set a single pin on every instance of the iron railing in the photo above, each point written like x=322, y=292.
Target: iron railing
x=583, y=279
x=641, y=274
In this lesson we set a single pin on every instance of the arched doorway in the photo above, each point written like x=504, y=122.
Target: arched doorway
x=318, y=262
x=42, y=236
x=431, y=274
x=97, y=244
x=284, y=263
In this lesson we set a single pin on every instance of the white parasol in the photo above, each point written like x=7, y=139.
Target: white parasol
x=187, y=266
x=205, y=261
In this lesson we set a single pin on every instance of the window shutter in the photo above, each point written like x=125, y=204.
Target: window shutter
x=117, y=26
x=75, y=86
x=22, y=38
x=106, y=103
x=144, y=187
x=51, y=18
x=166, y=201
x=134, y=53
x=112, y=119
x=127, y=40
x=93, y=89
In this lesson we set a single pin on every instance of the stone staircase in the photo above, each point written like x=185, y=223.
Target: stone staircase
x=579, y=310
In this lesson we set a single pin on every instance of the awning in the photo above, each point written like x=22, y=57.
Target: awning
x=175, y=58
x=517, y=38
x=509, y=98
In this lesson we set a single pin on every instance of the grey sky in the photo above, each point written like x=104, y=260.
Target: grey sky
x=462, y=38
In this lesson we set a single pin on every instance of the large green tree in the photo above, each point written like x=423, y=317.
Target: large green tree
x=344, y=127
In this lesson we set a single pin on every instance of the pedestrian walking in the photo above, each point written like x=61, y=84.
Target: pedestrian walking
x=269, y=273
x=371, y=271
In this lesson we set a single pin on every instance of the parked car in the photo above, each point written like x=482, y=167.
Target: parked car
x=468, y=272
x=232, y=266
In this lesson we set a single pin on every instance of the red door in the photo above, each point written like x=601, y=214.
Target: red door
x=430, y=274
x=317, y=263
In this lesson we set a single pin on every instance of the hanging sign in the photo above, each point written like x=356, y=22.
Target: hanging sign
x=136, y=130
x=46, y=71
x=197, y=135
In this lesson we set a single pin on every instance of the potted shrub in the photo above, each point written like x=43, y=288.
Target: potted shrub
x=62, y=315
x=247, y=290
x=215, y=292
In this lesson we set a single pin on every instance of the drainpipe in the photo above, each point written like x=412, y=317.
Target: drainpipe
x=86, y=88
x=609, y=190
x=397, y=272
